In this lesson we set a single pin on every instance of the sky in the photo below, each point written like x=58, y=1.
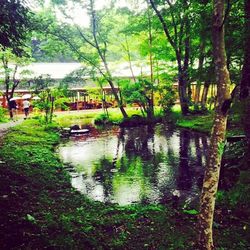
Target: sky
x=79, y=14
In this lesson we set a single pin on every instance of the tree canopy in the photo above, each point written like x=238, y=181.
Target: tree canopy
x=14, y=25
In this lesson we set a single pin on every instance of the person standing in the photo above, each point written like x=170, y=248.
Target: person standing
x=12, y=108
x=26, y=107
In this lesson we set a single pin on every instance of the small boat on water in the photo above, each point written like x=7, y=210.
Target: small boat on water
x=70, y=131
x=79, y=131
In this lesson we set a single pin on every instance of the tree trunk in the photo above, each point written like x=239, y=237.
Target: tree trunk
x=211, y=178
x=197, y=93
x=102, y=55
x=183, y=95
x=182, y=59
x=200, y=67
x=204, y=95
x=9, y=88
x=118, y=100
x=150, y=43
x=129, y=60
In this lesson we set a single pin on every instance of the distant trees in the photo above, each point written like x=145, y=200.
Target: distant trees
x=126, y=34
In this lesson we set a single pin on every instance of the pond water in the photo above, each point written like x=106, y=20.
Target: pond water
x=136, y=165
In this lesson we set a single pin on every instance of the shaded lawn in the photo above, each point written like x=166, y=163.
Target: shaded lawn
x=204, y=123
x=39, y=209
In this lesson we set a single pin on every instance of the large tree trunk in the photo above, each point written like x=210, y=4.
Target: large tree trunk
x=184, y=88
x=183, y=95
x=245, y=81
x=211, y=178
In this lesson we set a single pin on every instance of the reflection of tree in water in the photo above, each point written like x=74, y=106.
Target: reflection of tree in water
x=147, y=157
x=140, y=146
x=171, y=160
x=184, y=179
x=191, y=166
x=198, y=150
x=204, y=140
x=137, y=143
x=201, y=146
x=103, y=173
x=137, y=159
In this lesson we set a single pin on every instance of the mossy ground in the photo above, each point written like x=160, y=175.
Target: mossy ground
x=204, y=123
x=39, y=209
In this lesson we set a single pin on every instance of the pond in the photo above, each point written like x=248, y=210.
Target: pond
x=137, y=165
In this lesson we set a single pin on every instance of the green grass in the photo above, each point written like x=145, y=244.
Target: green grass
x=204, y=123
x=198, y=123
x=40, y=209
x=3, y=115
x=66, y=119
x=50, y=213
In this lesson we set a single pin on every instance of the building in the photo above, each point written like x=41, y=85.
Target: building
x=78, y=82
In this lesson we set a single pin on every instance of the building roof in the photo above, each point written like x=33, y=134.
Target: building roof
x=60, y=70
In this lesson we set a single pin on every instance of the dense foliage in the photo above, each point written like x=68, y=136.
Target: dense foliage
x=14, y=25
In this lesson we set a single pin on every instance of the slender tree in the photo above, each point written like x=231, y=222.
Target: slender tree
x=9, y=65
x=90, y=45
x=102, y=54
x=179, y=38
x=217, y=140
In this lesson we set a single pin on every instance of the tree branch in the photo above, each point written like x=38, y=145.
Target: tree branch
x=164, y=25
x=78, y=28
x=226, y=13
x=173, y=19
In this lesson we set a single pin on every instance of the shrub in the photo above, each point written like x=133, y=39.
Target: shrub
x=3, y=113
x=168, y=97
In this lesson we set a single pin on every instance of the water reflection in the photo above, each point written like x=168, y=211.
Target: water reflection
x=143, y=164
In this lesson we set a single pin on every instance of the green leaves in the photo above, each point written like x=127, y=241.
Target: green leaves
x=31, y=219
x=15, y=24
x=191, y=212
x=221, y=146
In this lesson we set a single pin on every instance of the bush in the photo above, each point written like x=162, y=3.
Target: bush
x=3, y=113
x=168, y=97
x=101, y=119
x=61, y=103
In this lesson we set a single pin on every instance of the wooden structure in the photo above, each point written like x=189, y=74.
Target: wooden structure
x=79, y=99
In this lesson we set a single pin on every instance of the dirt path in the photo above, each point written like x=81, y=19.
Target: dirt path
x=5, y=126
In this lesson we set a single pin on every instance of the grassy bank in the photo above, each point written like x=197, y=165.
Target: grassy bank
x=39, y=209
x=86, y=117
x=204, y=123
